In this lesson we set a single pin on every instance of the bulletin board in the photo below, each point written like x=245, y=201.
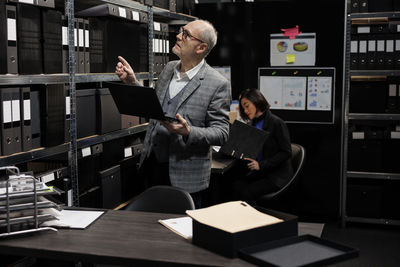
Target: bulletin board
x=300, y=95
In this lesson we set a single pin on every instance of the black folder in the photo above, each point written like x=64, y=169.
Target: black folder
x=52, y=41
x=244, y=141
x=7, y=143
x=29, y=40
x=35, y=119
x=111, y=187
x=8, y=40
x=52, y=105
x=136, y=100
x=26, y=123
x=86, y=47
x=16, y=119
x=104, y=10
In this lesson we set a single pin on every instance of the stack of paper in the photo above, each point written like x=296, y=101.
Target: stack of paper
x=232, y=217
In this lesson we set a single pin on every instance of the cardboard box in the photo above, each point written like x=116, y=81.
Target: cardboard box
x=228, y=244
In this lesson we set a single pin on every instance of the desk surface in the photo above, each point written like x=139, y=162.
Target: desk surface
x=221, y=163
x=120, y=238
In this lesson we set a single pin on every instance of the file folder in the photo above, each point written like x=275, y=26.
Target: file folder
x=67, y=114
x=111, y=187
x=43, y=3
x=81, y=46
x=7, y=132
x=52, y=41
x=35, y=119
x=53, y=114
x=108, y=116
x=86, y=48
x=371, y=54
x=26, y=135
x=354, y=53
x=29, y=40
x=16, y=119
x=397, y=51
x=8, y=39
x=380, y=53
x=362, y=52
x=392, y=105
x=103, y=10
x=64, y=30
x=96, y=43
x=389, y=57
x=244, y=141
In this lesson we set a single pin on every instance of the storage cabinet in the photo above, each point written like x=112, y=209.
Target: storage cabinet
x=371, y=119
x=49, y=136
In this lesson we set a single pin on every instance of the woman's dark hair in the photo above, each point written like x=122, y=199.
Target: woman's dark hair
x=255, y=97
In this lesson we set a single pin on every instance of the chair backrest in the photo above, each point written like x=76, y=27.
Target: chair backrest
x=298, y=157
x=162, y=199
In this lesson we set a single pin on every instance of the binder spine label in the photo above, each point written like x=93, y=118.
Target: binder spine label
x=7, y=112
x=11, y=29
x=27, y=2
x=135, y=15
x=16, y=116
x=27, y=109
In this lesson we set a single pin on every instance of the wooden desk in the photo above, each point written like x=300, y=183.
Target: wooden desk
x=120, y=238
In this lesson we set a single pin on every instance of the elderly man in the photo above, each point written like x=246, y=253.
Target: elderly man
x=179, y=153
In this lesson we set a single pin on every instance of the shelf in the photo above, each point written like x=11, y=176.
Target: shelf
x=63, y=78
x=84, y=4
x=374, y=73
x=389, y=15
x=374, y=175
x=85, y=142
x=163, y=14
x=373, y=116
x=372, y=220
x=63, y=148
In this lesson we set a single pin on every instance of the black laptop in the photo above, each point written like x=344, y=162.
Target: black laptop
x=137, y=100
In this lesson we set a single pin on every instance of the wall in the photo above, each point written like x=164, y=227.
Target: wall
x=243, y=44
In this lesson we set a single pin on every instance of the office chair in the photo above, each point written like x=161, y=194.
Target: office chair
x=162, y=199
x=298, y=157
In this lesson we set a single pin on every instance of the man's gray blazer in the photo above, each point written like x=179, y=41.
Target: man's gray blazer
x=205, y=105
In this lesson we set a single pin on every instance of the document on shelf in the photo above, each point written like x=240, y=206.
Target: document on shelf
x=181, y=226
x=76, y=219
x=232, y=217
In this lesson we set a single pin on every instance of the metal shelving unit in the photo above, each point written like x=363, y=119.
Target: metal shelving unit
x=72, y=78
x=362, y=75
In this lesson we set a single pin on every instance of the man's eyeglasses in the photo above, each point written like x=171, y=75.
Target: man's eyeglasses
x=186, y=34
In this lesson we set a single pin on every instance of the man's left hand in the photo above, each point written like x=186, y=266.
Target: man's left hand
x=181, y=127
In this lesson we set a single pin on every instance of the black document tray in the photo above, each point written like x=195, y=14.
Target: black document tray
x=245, y=141
x=136, y=100
x=305, y=250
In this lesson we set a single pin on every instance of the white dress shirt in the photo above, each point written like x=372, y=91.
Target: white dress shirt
x=179, y=81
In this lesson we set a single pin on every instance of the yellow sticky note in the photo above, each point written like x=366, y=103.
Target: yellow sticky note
x=290, y=58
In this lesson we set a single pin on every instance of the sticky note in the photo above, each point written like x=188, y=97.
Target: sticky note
x=290, y=58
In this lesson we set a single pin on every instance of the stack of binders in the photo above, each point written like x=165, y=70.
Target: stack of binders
x=30, y=37
x=160, y=47
x=122, y=33
x=375, y=46
x=81, y=44
x=16, y=126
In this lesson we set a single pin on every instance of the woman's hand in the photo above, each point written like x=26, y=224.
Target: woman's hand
x=253, y=164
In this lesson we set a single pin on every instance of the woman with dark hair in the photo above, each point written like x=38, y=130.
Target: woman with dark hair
x=272, y=168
